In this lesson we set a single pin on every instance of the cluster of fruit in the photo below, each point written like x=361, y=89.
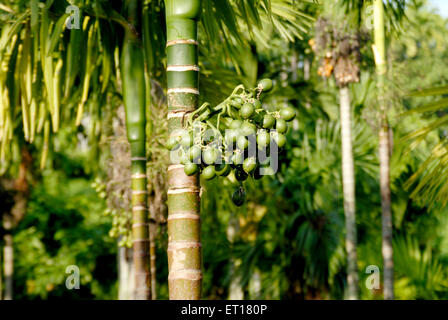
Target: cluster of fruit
x=233, y=136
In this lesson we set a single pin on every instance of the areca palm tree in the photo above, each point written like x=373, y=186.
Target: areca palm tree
x=384, y=152
x=340, y=51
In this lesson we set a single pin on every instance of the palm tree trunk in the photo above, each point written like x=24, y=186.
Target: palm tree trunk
x=126, y=283
x=236, y=291
x=348, y=186
x=386, y=217
x=384, y=153
x=134, y=97
x=152, y=250
x=184, y=245
x=8, y=265
x=306, y=68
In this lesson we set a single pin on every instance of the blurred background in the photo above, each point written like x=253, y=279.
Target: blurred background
x=72, y=205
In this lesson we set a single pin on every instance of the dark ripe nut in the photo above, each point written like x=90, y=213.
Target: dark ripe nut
x=237, y=158
x=242, y=143
x=248, y=128
x=194, y=153
x=236, y=124
x=223, y=170
x=209, y=173
x=268, y=121
x=263, y=138
x=257, y=174
x=239, y=196
x=266, y=85
x=172, y=143
x=247, y=110
x=279, y=138
x=249, y=164
x=240, y=174
x=187, y=139
x=281, y=126
x=287, y=114
x=191, y=168
x=257, y=104
x=210, y=155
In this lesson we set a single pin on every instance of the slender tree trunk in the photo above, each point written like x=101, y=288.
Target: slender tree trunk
x=386, y=217
x=153, y=232
x=294, y=61
x=8, y=259
x=254, y=287
x=134, y=97
x=236, y=291
x=126, y=279
x=184, y=244
x=348, y=185
x=306, y=68
x=384, y=152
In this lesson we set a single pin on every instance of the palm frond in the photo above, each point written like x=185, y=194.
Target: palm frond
x=429, y=180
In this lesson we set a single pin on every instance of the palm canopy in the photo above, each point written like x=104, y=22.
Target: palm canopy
x=51, y=75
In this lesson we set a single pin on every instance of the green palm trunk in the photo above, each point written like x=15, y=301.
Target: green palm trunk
x=348, y=188
x=384, y=153
x=184, y=247
x=132, y=68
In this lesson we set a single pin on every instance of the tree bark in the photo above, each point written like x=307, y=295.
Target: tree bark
x=348, y=185
x=184, y=244
x=386, y=217
x=306, y=68
x=379, y=50
x=126, y=281
x=8, y=257
x=153, y=257
x=134, y=97
x=236, y=291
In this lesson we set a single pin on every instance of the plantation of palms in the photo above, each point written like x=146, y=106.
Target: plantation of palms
x=104, y=104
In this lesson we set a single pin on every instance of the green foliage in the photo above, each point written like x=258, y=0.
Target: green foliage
x=63, y=227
